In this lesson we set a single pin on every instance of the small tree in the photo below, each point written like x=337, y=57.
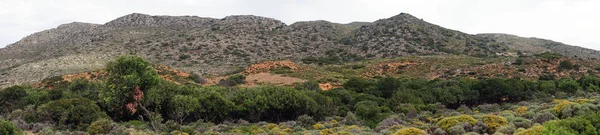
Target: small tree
x=7, y=128
x=183, y=106
x=129, y=77
x=566, y=65
x=10, y=97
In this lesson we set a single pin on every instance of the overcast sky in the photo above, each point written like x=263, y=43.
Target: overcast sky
x=575, y=22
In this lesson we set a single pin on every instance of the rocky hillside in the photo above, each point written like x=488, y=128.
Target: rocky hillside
x=212, y=46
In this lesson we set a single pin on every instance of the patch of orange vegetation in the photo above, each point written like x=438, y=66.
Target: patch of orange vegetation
x=86, y=75
x=269, y=65
x=269, y=78
x=177, y=72
x=328, y=86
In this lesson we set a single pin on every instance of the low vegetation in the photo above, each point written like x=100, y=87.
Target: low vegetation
x=133, y=98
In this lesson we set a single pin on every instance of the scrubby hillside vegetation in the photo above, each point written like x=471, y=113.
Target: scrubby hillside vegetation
x=212, y=46
x=132, y=96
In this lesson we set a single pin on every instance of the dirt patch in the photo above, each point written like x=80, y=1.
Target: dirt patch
x=169, y=70
x=384, y=69
x=328, y=86
x=268, y=78
x=93, y=76
x=265, y=67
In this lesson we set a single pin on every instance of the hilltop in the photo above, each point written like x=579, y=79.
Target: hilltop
x=216, y=47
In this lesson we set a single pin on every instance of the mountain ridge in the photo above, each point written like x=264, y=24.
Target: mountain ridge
x=213, y=46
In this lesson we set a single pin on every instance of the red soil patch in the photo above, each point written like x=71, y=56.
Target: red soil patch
x=269, y=65
x=328, y=86
x=384, y=69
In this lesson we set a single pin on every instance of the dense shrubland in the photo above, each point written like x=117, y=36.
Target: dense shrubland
x=134, y=99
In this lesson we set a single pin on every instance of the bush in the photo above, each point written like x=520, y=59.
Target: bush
x=582, y=125
x=7, y=128
x=531, y=131
x=309, y=85
x=566, y=65
x=71, y=112
x=494, y=122
x=449, y=122
x=410, y=131
x=102, y=126
x=389, y=122
x=488, y=108
x=233, y=80
x=273, y=103
x=543, y=117
x=456, y=130
x=568, y=85
x=10, y=97
x=521, y=123
x=197, y=78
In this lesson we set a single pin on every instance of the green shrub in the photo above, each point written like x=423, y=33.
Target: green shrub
x=494, y=122
x=10, y=97
x=449, y=122
x=102, y=126
x=521, y=122
x=568, y=85
x=582, y=125
x=409, y=131
x=7, y=128
x=233, y=80
x=535, y=130
x=456, y=130
x=305, y=121
x=197, y=78
x=309, y=85
x=71, y=112
x=543, y=117
x=566, y=65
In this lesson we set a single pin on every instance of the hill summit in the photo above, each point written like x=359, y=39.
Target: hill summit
x=213, y=46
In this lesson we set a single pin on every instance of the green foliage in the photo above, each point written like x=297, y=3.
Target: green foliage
x=582, y=125
x=102, y=126
x=568, y=85
x=129, y=77
x=10, y=97
x=7, y=128
x=183, y=105
x=70, y=113
x=494, y=122
x=273, y=103
x=535, y=130
x=449, y=122
x=519, y=61
x=184, y=56
x=233, y=80
x=85, y=88
x=566, y=65
x=371, y=112
x=305, y=121
x=386, y=87
x=409, y=131
x=360, y=85
x=590, y=83
x=309, y=85
x=197, y=78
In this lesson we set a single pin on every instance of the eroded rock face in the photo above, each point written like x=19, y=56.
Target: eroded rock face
x=215, y=46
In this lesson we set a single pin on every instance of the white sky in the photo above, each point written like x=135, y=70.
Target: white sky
x=575, y=22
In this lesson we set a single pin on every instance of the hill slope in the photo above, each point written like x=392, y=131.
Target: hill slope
x=215, y=46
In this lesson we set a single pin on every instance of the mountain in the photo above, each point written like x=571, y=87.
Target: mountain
x=211, y=46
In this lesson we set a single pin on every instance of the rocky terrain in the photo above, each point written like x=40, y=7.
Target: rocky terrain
x=213, y=47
